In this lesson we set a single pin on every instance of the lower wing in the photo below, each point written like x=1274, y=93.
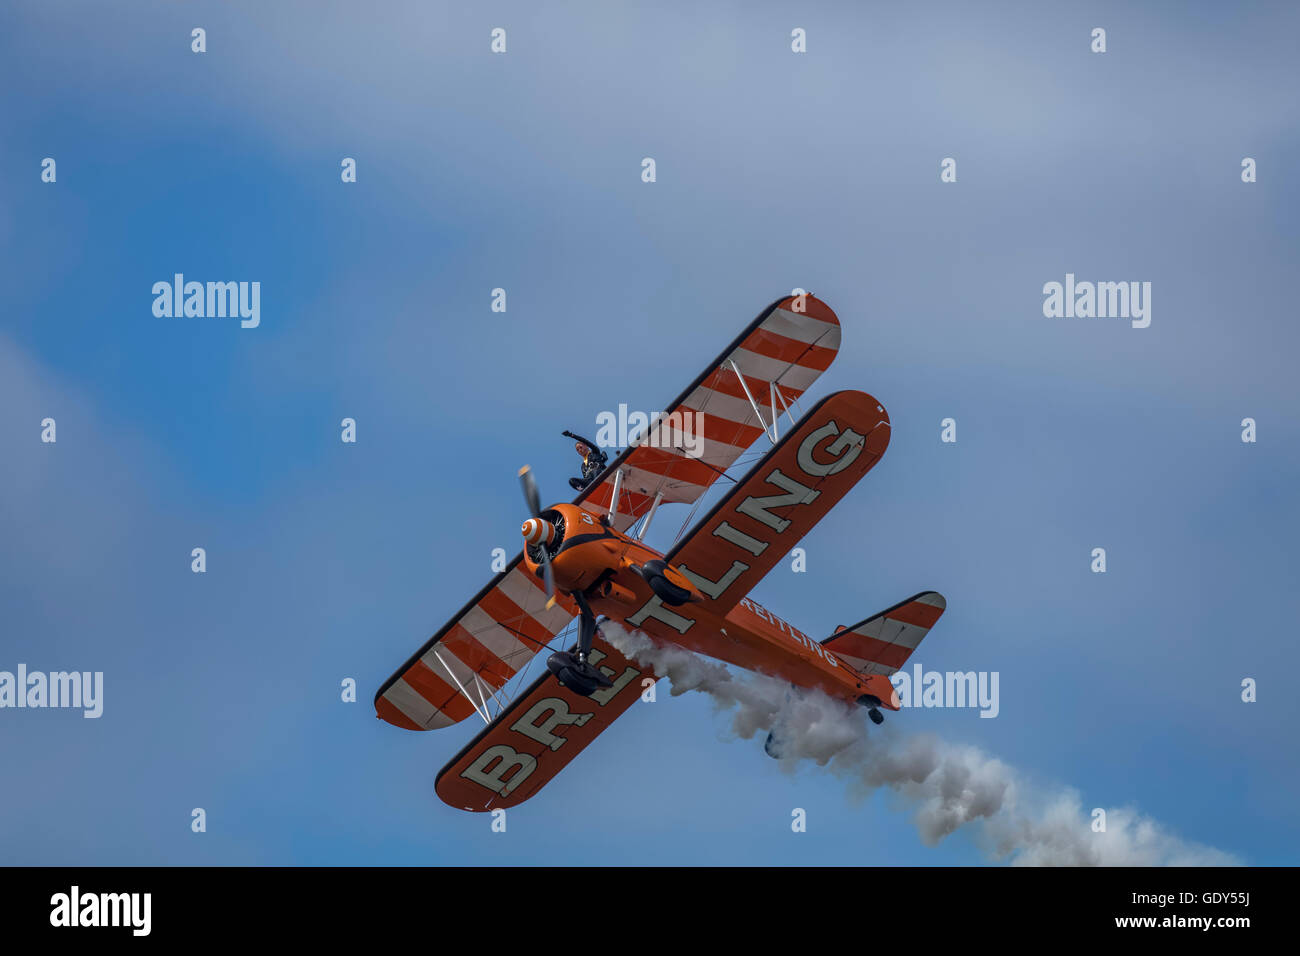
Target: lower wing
x=534, y=738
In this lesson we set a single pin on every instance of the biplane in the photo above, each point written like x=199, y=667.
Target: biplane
x=587, y=560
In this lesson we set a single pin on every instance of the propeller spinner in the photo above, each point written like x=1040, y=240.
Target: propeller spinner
x=538, y=531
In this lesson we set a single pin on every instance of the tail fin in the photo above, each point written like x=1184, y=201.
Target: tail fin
x=882, y=644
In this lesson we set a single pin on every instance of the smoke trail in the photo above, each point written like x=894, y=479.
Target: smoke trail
x=947, y=786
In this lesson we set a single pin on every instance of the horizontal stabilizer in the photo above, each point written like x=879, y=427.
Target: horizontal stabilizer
x=882, y=644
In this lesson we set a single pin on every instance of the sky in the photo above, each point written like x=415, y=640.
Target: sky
x=522, y=170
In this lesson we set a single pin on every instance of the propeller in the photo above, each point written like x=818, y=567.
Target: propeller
x=530, y=491
x=537, y=530
x=573, y=670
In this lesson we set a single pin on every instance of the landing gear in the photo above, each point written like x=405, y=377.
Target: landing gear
x=577, y=675
x=872, y=703
x=653, y=573
x=772, y=747
x=572, y=670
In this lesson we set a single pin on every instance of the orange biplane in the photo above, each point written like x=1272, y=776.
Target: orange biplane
x=587, y=559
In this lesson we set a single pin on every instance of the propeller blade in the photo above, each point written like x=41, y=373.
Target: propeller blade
x=530, y=491
x=548, y=577
x=529, y=484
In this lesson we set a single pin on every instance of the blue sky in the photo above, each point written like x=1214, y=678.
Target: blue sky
x=522, y=171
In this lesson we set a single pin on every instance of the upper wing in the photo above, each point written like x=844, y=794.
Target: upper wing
x=782, y=498
x=713, y=422
x=493, y=636
x=882, y=644
x=536, y=736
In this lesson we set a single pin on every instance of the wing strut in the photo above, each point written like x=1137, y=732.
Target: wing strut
x=776, y=416
x=483, y=688
x=650, y=515
x=461, y=688
x=767, y=430
x=777, y=392
x=613, y=500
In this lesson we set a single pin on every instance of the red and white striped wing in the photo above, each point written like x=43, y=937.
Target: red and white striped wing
x=882, y=644
x=493, y=636
x=783, y=346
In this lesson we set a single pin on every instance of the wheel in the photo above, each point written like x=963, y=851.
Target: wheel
x=576, y=682
x=771, y=747
x=578, y=676
x=671, y=594
x=668, y=592
x=876, y=716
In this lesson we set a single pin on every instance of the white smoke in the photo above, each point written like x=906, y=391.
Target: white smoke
x=947, y=786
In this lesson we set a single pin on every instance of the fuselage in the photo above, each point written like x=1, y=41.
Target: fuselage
x=594, y=558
